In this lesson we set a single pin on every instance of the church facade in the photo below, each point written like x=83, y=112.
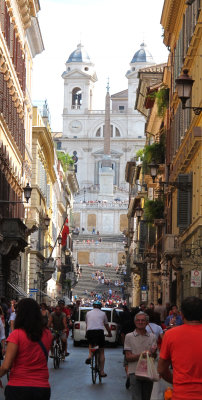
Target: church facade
x=98, y=209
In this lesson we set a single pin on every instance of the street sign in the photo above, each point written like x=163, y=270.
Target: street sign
x=195, y=278
x=33, y=290
x=144, y=287
x=144, y=295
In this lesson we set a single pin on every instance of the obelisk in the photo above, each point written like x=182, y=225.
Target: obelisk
x=106, y=173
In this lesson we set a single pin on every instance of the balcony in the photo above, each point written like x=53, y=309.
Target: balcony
x=171, y=246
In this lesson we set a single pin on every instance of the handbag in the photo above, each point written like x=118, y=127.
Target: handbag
x=146, y=369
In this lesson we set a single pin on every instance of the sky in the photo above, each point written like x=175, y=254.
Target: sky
x=111, y=32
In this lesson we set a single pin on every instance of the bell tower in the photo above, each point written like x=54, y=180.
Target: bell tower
x=79, y=79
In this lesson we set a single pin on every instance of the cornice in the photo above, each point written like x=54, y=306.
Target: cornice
x=171, y=20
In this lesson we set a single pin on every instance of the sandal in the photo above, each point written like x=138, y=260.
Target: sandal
x=103, y=375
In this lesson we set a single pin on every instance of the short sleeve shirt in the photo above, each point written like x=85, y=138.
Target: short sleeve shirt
x=137, y=343
x=30, y=365
x=96, y=319
x=154, y=328
x=183, y=346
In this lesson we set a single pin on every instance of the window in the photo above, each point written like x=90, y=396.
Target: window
x=76, y=98
x=121, y=108
x=117, y=133
x=59, y=145
x=184, y=201
x=98, y=133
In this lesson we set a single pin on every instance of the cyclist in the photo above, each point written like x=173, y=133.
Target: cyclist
x=96, y=321
x=67, y=312
x=58, y=322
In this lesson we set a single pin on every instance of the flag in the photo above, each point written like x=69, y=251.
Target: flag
x=65, y=232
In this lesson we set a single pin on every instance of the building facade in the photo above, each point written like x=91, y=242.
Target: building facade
x=20, y=42
x=83, y=137
x=166, y=180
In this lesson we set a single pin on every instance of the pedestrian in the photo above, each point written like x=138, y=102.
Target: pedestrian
x=174, y=319
x=126, y=326
x=26, y=355
x=45, y=314
x=161, y=310
x=182, y=347
x=152, y=326
x=137, y=342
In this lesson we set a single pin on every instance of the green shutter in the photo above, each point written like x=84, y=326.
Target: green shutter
x=184, y=201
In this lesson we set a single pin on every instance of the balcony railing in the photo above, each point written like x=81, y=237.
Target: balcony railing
x=102, y=205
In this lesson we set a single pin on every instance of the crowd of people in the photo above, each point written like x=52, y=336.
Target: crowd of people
x=159, y=332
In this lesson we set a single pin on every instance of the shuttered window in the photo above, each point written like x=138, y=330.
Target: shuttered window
x=142, y=236
x=184, y=201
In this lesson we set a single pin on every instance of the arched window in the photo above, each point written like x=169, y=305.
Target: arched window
x=98, y=133
x=117, y=132
x=76, y=98
x=114, y=131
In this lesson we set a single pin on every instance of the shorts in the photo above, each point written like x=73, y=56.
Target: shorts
x=26, y=392
x=96, y=337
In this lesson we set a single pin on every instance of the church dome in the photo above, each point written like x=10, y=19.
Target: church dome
x=79, y=55
x=142, y=55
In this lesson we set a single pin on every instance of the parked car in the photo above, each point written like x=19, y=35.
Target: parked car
x=80, y=326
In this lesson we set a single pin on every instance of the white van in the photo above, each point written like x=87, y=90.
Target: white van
x=80, y=326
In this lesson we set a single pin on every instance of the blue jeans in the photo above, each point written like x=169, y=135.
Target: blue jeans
x=140, y=389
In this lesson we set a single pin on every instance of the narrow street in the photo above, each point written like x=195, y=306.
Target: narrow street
x=73, y=379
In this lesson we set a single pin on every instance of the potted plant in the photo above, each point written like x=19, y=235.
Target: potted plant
x=66, y=160
x=153, y=209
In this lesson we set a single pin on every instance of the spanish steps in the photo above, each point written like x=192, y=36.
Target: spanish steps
x=86, y=284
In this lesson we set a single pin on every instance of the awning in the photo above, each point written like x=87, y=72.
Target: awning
x=18, y=289
x=45, y=294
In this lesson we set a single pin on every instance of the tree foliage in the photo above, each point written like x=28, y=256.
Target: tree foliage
x=65, y=159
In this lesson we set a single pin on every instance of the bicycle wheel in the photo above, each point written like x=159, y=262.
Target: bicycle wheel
x=98, y=367
x=56, y=359
x=94, y=367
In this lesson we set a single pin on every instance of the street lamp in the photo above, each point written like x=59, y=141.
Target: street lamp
x=153, y=170
x=59, y=240
x=184, y=87
x=138, y=212
x=46, y=221
x=185, y=186
x=27, y=193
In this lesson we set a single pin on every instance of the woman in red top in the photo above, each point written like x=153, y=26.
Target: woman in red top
x=26, y=355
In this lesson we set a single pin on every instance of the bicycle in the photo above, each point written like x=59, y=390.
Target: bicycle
x=95, y=364
x=58, y=354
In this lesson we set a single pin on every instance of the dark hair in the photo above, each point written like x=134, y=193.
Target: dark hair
x=192, y=308
x=29, y=319
x=159, y=301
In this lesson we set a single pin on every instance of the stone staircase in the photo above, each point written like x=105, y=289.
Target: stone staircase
x=86, y=283
x=105, y=238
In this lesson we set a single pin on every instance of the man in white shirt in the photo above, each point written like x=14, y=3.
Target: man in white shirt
x=137, y=342
x=96, y=321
